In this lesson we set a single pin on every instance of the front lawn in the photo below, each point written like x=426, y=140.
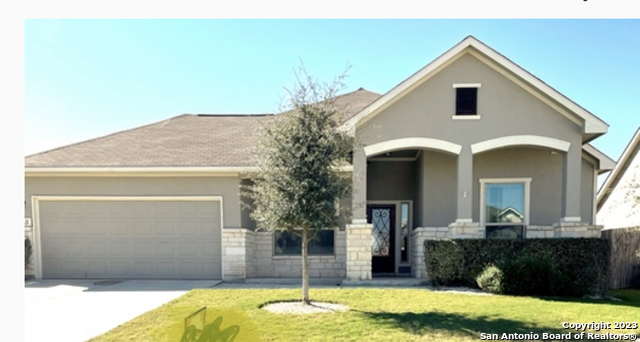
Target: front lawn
x=415, y=314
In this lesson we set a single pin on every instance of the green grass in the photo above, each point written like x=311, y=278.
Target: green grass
x=377, y=315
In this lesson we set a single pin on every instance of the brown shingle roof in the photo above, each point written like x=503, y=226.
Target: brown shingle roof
x=185, y=140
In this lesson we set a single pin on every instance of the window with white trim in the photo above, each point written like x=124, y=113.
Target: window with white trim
x=505, y=207
x=466, y=99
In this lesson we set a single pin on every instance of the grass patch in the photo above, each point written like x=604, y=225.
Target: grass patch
x=376, y=315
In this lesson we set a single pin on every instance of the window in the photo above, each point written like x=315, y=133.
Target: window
x=505, y=207
x=405, y=226
x=287, y=243
x=466, y=101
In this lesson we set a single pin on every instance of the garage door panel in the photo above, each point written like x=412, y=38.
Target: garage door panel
x=119, y=209
x=210, y=209
x=91, y=209
x=146, y=210
x=74, y=248
x=144, y=269
x=70, y=228
x=165, y=228
x=142, y=248
x=73, y=268
x=130, y=239
x=53, y=248
x=97, y=268
x=97, y=248
x=188, y=249
x=189, y=269
x=186, y=209
x=210, y=249
x=142, y=228
x=165, y=269
x=165, y=248
x=95, y=227
x=164, y=209
x=118, y=228
x=209, y=268
x=209, y=228
x=119, y=248
x=119, y=268
x=189, y=228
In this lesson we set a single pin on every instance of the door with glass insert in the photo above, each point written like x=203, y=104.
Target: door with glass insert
x=383, y=219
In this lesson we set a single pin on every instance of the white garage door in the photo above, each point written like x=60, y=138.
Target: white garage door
x=142, y=239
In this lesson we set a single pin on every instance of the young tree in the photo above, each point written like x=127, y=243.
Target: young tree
x=298, y=182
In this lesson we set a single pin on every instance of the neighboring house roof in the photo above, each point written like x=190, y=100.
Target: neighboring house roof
x=591, y=125
x=187, y=140
x=620, y=169
x=510, y=211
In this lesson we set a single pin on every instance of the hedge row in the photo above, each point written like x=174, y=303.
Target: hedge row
x=563, y=267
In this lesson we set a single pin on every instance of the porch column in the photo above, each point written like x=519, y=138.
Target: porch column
x=571, y=179
x=465, y=185
x=359, y=179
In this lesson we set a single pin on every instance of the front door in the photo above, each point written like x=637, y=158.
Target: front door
x=383, y=218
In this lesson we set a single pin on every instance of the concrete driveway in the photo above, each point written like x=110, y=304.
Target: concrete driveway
x=77, y=310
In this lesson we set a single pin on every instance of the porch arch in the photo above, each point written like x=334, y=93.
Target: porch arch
x=408, y=143
x=520, y=140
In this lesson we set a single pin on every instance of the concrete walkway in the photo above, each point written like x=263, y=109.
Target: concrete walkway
x=77, y=310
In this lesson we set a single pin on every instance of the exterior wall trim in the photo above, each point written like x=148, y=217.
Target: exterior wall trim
x=467, y=85
x=35, y=208
x=152, y=171
x=571, y=219
x=520, y=140
x=414, y=142
x=466, y=117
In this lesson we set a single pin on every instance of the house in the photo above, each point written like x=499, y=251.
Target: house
x=618, y=200
x=470, y=133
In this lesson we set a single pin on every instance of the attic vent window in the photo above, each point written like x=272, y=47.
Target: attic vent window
x=466, y=99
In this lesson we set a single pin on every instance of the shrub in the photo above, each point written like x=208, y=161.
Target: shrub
x=490, y=279
x=448, y=266
x=564, y=267
x=28, y=250
x=529, y=275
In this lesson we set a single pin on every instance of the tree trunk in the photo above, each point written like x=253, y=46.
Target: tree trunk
x=305, y=267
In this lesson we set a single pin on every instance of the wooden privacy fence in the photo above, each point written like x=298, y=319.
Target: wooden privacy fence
x=625, y=257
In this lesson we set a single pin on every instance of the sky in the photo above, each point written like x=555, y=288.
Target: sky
x=89, y=78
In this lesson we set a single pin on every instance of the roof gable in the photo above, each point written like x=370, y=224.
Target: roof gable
x=591, y=125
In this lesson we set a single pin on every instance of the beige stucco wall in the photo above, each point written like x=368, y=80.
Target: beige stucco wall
x=392, y=181
x=505, y=109
x=227, y=187
x=438, y=193
x=544, y=169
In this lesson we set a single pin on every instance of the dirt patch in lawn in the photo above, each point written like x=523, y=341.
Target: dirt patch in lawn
x=298, y=308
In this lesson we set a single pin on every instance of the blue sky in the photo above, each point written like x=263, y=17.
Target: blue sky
x=87, y=78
